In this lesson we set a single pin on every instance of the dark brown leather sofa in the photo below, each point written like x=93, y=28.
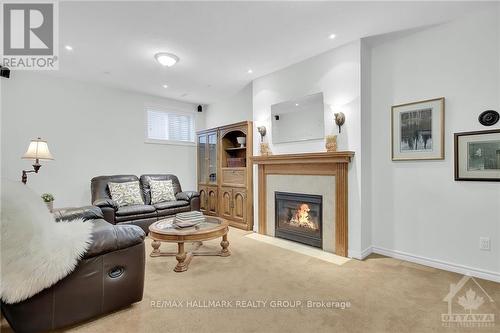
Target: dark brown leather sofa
x=110, y=276
x=141, y=215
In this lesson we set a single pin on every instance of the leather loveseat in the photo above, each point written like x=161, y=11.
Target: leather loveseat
x=141, y=215
x=110, y=276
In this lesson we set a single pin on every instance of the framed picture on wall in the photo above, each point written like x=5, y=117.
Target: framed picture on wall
x=477, y=155
x=418, y=130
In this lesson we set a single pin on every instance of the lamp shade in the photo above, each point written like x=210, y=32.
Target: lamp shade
x=38, y=149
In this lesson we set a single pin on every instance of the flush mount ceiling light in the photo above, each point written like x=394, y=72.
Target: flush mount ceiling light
x=165, y=86
x=166, y=59
x=332, y=36
x=250, y=71
x=69, y=47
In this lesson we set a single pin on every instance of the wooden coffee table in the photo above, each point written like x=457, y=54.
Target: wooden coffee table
x=165, y=231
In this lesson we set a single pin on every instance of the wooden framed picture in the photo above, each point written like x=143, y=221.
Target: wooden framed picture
x=418, y=130
x=477, y=155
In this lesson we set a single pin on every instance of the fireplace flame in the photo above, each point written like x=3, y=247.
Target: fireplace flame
x=301, y=217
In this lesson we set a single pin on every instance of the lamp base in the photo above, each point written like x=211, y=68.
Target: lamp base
x=36, y=167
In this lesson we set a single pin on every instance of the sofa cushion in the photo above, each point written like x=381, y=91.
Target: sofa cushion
x=162, y=213
x=161, y=190
x=146, y=190
x=135, y=210
x=171, y=204
x=126, y=194
x=99, y=185
x=127, y=218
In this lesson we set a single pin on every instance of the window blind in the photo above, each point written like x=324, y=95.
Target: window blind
x=170, y=126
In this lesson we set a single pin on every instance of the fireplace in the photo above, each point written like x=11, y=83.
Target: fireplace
x=298, y=217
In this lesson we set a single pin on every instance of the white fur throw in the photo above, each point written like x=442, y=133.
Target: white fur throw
x=36, y=251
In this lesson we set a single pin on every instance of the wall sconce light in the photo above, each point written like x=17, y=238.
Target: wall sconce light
x=339, y=120
x=262, y=132
x=37, y=150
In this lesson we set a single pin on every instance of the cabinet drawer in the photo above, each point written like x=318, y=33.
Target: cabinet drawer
x=233, y=176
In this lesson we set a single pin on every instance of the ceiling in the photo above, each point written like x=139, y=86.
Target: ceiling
x=217, y=42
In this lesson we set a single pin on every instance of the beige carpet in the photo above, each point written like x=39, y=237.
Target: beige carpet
x=385, y=295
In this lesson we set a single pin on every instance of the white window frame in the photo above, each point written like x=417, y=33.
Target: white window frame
x=171, y=111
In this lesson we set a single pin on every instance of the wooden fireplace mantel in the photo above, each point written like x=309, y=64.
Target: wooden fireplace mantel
x=324, y=157
x=326, y=164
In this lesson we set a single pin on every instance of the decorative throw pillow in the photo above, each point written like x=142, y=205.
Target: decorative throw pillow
x=126, y=194
x=161, y=190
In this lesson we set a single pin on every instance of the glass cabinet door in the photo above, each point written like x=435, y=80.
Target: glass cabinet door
x=202, y=159
x=212, y=157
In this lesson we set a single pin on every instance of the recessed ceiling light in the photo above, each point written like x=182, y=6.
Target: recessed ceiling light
x=166, y=59
x=332, y=36
x=296, y=104
x=250, y=71
x=165, y=86
x=69, y=47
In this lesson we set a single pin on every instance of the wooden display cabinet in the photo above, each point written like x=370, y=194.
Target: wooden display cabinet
x=209, y=204
x=227, y=190
x=207, y=171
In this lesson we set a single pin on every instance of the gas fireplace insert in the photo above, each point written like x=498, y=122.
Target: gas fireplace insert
x=298, y=217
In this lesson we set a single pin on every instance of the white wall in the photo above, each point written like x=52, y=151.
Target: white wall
x=337, y=74
x=366, y=138
x=231, y=110
x=91, y=130
x=418, y=208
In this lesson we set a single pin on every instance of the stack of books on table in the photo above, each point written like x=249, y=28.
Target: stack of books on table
x=188, y=219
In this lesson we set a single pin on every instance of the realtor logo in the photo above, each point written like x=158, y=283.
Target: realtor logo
x=29, y=38
x=466, y=301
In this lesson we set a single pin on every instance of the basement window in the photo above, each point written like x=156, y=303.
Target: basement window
x=169, y=127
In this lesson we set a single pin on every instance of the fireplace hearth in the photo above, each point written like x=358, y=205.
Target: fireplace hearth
x=298, y=217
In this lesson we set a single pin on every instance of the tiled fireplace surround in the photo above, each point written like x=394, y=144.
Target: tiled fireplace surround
x=305, y=184
x=323, y=174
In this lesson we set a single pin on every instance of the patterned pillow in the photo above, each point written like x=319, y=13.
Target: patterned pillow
x=161, y=190
x=126, y=194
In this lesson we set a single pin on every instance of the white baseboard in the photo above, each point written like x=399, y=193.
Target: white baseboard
x=360, y=255
x=366, y=252
x=461, y=269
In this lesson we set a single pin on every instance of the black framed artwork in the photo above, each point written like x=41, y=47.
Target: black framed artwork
x=477, y=155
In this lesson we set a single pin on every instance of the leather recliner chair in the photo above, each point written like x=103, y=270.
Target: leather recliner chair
x=141, y=215
x=110, y=276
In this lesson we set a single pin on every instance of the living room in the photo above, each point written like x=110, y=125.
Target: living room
x=250, y=166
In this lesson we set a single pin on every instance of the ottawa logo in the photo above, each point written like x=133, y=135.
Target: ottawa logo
x=466, y=300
